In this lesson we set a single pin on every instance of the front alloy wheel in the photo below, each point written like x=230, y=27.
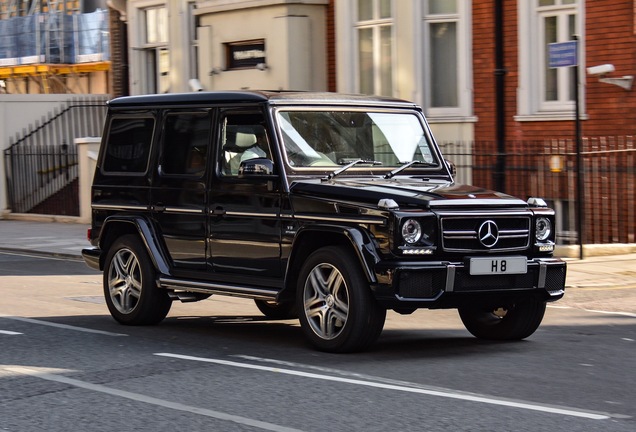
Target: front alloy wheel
x=336, y=308
x=326, y=300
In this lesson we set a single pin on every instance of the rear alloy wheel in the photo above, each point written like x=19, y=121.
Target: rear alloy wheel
x=336, y=308
x=275, y=310
x=130, y=287
x=512, y=322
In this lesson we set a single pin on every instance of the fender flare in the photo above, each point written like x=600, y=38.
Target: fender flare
x=359, y=240
x=147, y=234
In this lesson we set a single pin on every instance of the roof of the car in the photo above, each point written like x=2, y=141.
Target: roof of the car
x=271, y=97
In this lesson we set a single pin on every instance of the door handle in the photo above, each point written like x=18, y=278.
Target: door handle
x=159, y=207
x=219, y=211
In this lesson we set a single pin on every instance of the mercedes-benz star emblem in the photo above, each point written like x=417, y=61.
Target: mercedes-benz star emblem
x=488, y=233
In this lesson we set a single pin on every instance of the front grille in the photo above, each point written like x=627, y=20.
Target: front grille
x=461, y=234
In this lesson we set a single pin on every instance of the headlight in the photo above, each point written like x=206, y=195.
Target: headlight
x=411, y=231
x=543, y=228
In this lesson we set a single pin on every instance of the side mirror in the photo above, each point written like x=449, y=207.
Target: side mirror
x=452, y=168
x=257, y=168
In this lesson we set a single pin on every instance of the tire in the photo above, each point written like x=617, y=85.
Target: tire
x=273, y=310
x=130, y=287
x=336, y=309
x=512, y=322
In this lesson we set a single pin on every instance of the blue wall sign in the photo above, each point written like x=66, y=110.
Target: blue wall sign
x=562, y=54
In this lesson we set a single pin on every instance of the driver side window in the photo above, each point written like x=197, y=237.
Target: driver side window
x=243, y=137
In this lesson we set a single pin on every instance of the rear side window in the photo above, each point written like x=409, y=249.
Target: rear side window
x=185, y=144
x=128, y=145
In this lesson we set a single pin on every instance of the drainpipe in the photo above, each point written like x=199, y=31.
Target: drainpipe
x=499, y=176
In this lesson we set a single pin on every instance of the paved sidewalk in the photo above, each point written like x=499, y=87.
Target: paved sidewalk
x=67, y=240
x=44, y=238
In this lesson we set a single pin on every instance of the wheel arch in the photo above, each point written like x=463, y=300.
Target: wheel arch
x=310, y=238
x=117, y=226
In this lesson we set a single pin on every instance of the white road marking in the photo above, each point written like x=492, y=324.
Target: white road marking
x=62, y=326
x=7, y=332
x=409, y=389
x=148, y=399
x=627, y=314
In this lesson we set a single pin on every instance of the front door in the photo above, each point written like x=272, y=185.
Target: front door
x=244, y=223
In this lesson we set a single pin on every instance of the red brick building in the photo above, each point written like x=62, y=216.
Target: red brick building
x=607, y=37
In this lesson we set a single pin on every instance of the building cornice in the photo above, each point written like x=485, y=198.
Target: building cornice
x=215, y=6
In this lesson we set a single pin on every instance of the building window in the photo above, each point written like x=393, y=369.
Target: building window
x=156, y=55
x=557, y=25
x=193, y=24
x=374, y=27
x=544, y=90
x=446, y=58
x=156, y=20
x=245, y=54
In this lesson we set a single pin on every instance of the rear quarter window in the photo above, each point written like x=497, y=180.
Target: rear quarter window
x=128, y=145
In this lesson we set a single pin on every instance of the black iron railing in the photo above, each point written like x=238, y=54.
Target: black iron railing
x=42, y=161
x=548, y=169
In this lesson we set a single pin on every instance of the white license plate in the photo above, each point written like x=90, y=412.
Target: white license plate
x=501, y=265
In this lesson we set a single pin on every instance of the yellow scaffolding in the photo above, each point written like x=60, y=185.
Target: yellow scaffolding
x=44, y=73
x=12, y=8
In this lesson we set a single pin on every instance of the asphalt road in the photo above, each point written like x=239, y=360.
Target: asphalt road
x=218, y=365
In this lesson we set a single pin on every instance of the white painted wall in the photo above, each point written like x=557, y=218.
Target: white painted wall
x=87, y=152
x=295, y=44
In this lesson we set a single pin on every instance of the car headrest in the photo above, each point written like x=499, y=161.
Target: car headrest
x=245, y=140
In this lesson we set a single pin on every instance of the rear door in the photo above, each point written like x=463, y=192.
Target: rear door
x=178, y=194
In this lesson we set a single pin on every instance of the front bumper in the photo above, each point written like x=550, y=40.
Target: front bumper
x=446, y=284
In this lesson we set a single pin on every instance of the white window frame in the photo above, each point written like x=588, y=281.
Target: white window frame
x=193, y=39
x=141, y=49
x=463, y=19
x=375, y=24
x=531, y=103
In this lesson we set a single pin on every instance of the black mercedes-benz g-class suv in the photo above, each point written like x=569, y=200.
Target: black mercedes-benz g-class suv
x=327, y=207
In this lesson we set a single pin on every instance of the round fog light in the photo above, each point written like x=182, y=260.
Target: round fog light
x=411, y=231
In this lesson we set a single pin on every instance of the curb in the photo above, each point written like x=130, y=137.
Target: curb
x=43, y=254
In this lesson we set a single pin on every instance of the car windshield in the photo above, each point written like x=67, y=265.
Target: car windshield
x=333, y=138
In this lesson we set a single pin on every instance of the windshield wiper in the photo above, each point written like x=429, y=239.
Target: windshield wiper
x=349, y=165
x=405, y=166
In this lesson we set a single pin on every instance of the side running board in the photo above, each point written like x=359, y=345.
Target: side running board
x=217, y=288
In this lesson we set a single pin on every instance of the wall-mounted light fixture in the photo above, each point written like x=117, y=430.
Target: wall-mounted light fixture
x=601, y=70
x=195, y=85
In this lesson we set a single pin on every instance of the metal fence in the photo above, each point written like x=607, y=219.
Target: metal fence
x=548, y=169
x=42, y=161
